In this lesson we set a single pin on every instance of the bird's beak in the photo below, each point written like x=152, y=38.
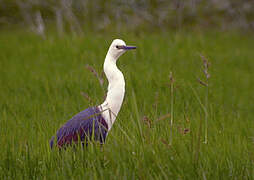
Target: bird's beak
x=126, y=47
x=129, y=47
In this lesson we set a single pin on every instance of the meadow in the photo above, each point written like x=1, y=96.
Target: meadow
x=166, y=129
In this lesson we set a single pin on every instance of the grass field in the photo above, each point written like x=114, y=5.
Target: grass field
x=42, y=80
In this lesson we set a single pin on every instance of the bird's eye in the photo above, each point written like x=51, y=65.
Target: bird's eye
x=119, y=47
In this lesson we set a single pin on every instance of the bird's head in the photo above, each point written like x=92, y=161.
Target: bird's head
x=117, y=48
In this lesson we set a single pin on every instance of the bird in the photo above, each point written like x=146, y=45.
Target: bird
x=94, y=123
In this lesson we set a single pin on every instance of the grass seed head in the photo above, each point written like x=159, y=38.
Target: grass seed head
x=206, y=65
x=85, y=95
x=164, y=117
x=171, y=78
x=92, y=70
x=147, y=121
x=202, y=83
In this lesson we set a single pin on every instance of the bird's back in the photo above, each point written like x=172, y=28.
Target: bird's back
x=83, y=126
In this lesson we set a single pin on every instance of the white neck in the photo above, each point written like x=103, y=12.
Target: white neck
x=116, y=89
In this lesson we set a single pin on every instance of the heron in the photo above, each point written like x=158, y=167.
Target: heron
x=94, y=123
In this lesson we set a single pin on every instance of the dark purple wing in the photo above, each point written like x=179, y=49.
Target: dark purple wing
x=84, y=125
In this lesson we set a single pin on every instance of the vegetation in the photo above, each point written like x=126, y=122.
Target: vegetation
x=76, y=15
x=43, y=80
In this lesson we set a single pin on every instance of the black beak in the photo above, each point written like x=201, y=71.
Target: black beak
x=126, y=47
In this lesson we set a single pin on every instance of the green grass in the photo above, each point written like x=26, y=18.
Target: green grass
x=41, y=84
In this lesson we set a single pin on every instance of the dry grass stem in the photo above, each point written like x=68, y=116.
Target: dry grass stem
x=85, y=95
x=147, y=121
x=183, y=131
x=171, y=79
x=201, y=82
x=205, y=68
x=164, y=117
x=166, y=143
x=100, y=78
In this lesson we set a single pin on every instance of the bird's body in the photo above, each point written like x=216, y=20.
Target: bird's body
x=82, y=126
x=97, y=121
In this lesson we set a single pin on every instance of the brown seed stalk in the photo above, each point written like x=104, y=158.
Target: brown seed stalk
x=92, y=70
